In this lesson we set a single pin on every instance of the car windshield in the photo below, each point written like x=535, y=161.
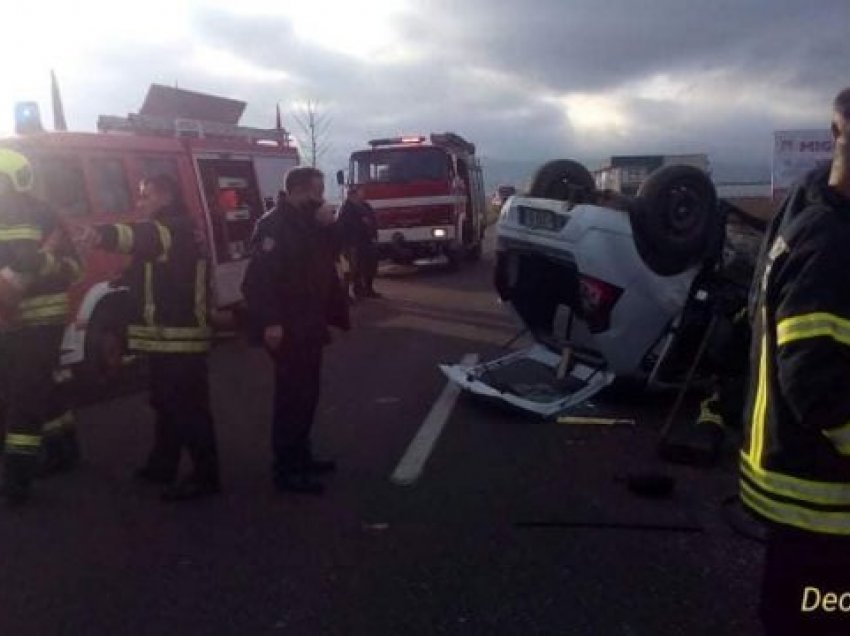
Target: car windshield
x=400, y=165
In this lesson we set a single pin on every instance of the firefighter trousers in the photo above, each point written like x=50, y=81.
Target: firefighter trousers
x=298, y=371
x=28, y=358
x=364, y=266
x=180, y=398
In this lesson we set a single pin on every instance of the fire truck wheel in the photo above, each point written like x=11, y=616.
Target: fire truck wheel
x=675, y=220
x=105, y=342
x=563, y=180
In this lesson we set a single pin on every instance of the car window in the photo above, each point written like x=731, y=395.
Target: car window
x=111, y=186
x=61, y=182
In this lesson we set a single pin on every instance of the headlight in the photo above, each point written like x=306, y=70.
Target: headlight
x=439, y=232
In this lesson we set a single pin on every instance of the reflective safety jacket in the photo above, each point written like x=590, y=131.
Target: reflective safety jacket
x=168, y=283
x=35, y=245
x=795, y=462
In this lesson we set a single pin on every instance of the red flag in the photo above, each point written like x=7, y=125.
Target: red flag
x=59, y=122
x=278, y=123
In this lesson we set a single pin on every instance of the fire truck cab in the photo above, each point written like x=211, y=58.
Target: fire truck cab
x=428, y=196
x=228, y=175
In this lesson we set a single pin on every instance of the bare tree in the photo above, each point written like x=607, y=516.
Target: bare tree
x=314, y=125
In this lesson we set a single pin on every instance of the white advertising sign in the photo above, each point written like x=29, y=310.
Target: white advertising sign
x=795, y=152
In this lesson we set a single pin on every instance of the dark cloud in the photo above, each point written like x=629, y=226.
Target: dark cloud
x=495, y=70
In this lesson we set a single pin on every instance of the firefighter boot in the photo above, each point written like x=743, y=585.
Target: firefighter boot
x=699, y=442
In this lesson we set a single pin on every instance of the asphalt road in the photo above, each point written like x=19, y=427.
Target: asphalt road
x=457, y=552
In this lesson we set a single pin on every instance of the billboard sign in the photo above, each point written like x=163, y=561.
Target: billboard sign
x=795, y=152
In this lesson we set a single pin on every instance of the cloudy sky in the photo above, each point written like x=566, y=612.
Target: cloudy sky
x=527, y=81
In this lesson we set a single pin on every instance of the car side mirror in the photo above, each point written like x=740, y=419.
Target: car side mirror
x=340, y=177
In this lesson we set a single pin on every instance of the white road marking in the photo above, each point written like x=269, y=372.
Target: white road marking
x=410, y=467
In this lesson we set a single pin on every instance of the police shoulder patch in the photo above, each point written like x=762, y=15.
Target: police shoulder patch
x=268, y=244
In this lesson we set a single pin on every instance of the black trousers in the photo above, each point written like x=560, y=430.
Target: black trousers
x=364, y=266
x=800, y=569
x=180, y=397
x=28, y=358
x=298, y=371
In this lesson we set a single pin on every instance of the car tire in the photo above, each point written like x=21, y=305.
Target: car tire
x=563, y=180
x=676, y=221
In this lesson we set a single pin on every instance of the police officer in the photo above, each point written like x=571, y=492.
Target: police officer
x=167, y=280
x=292, y=294
x=359, y=231
x=37, y=265
x=795, y=462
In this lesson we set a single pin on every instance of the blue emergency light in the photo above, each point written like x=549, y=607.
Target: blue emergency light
x=27, y=118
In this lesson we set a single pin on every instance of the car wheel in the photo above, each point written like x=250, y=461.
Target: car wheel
x=676, y=221
x=563, y=180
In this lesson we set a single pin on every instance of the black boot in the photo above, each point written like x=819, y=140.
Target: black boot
x=18, y=474
x=299, y=483
x=193, y=487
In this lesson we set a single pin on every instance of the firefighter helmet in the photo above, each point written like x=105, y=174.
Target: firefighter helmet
x=17, y=169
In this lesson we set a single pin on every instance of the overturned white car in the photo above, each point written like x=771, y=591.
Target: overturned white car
x=611, y=288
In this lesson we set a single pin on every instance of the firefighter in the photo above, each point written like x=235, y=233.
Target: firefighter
x=37, y=265
x=292, y=294
x=359, y=230
x=795, y=461
x=167, y=279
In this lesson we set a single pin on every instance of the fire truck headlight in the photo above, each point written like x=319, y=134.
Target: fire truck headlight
x=439, y=232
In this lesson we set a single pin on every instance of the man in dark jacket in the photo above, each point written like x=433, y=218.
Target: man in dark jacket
x=359, y=230
x=169, y=311
x=293, y=293
x=795, y=461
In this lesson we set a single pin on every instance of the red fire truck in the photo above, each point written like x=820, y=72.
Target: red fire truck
x=228, y=175
x=428, y=195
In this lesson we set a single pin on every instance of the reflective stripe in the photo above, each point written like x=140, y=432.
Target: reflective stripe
x=760, y=406
x=43, y=307
x=50, y=265
x=149, y=306
x=44, y=300
x=125, y=237
x=22, y=444
x=840, y=437
x=201, y=293
x=164, y=240
x=813, y=325
x=707, y=416
x=804, y=490
x=168, y=333
x=169, y=346
x=61, y=423
x=794, y=515
x=20, y=233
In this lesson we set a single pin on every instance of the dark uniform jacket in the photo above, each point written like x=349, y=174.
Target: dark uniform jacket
x=795, y=463
x=168, y=282
x=34, y=243
x=292, y=279
x=358, y=225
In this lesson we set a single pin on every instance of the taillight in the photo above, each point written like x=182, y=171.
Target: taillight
x=597, y=299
